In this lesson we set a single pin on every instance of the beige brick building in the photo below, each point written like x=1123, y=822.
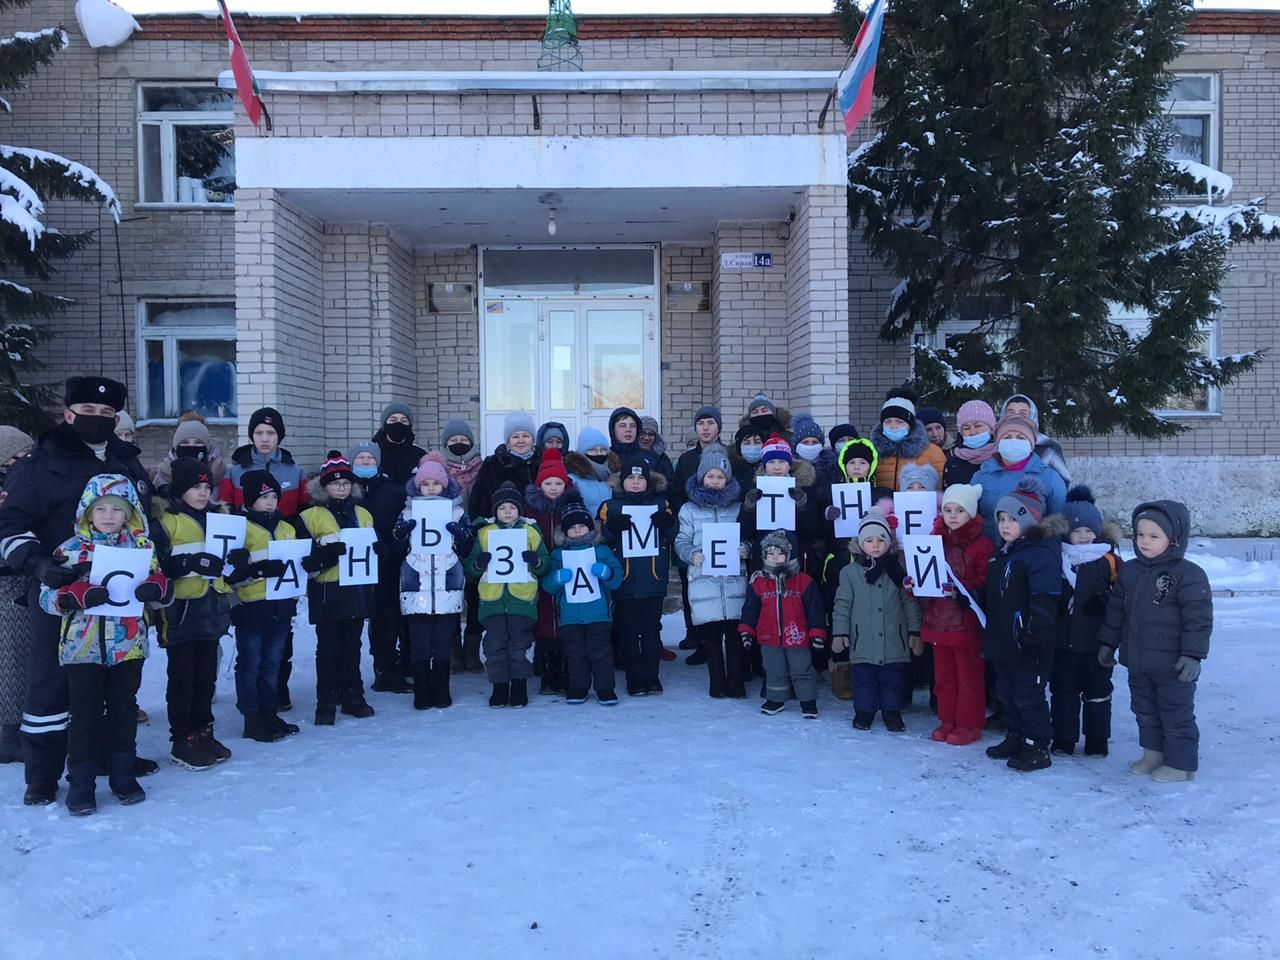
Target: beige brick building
x=388, y=238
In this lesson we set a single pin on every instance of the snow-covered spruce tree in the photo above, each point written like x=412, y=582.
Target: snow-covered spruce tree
x=1021, y=177
x=29, y=250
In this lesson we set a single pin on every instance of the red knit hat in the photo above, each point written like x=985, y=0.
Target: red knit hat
x=552, y=466
x=336, y=467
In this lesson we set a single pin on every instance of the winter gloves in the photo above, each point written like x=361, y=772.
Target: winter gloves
x=482, y=560
x=50, y=572
x=664, y=520
x=81, y=595
x=1188, y=669
x=600, y=570
x=747, y=641
x=197, y=564
x=323, y=556
x=1106, y=656
x=530, y=557
x=403, y=528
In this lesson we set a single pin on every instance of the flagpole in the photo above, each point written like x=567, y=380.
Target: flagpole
x=835, y=88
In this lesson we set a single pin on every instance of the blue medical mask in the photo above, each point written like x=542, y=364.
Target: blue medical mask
x=752, y=452
x=809, y=451
x=1014, y=449
x=896, y=434
x=365, y=471
x=978, y=440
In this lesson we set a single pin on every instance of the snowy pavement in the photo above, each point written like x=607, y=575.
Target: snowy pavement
x=673, y=826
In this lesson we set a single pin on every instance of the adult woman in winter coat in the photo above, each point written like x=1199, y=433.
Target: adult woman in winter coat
x=712, y=495
x=900, y=440
x=461, y=457
x=514, y=462
x=394, y=438
x=191, y=439
x=1014, y=460
x=1047, y=449
x=15, y=625
x=975, y=442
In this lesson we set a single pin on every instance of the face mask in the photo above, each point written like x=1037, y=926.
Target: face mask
x=191, y=453
x=460, y=449
x=522, y=456
x=764, y=422
x=365, y=471
x=978, y=440
x=752, y=452
x=397, y=432
x=1014, y=449
x=896, y=434
x=94, y=430
x=809, y=451
x=597, y=457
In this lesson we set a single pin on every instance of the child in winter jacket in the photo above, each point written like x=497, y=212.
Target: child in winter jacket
x=102, y=656
x=878, y=622
x=432, y=585
x=1160, y=616
x=715, y=603
x=585, y=626
x=508, y=610
x=951, y=627
x=783, y=614
x=1023, y=585
x=1090, y=563
x=778, y=460
x=638, y=600
x=544, y=499
x=262, y=625
x=338, y=612
x=197, y=619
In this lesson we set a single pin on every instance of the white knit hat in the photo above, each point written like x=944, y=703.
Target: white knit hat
x=964, y=495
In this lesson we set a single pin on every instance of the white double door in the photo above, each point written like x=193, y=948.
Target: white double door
x=571, y=361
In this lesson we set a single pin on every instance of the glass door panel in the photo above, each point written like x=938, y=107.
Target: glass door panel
x=510, y=355
x=615, y=341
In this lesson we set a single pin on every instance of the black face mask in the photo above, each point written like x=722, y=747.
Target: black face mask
x=766, y=423
x=460, y=449
x=94, y=430
x=397, y=432
x=200, y=453
x=597, y=457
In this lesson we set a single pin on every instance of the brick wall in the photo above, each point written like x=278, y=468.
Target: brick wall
x=687, y=367
x=447, y=351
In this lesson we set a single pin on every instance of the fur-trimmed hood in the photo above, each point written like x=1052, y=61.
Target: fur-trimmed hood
x=802, y=470
x=578, y=465
x=657, y=483
x=1111, y=532
x=320, y=496
x=1053, y=527
x=913, y=445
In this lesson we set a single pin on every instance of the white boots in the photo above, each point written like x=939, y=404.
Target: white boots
x=1167, y=774
x=1150, y=762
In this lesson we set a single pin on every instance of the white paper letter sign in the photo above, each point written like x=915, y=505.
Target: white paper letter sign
x=640, y=539
x=293, y=582
x=430, y=536
x=775, y=510
x=584, y=587
x=359, y=565
x=720, y=542
x=120, y=570
x=506, y=565
x=926, y=565
x=853, y=500
x=223, y=532
x=915, y=512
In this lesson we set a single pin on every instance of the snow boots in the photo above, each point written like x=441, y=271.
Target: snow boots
x=326, y=713
x=1095, y=748
x=1168, y=774
x=862, y=721
x=259, y=727
x=1151, y=761
x=216, y=749
x=809, y=709
x=576, y=697
x=124, y=785
x=501, y=695
x=40, y=794
x=606, y=698
x=390, y=681
x=431, y=685
x=189, y=752
x=519, y=693
x=81, y=792
x=355, y=705
x=893, y=721
x=422, y=699
x=771, y=708
x=284, y=726
x=1034, y=755
x=942, y=732
x=1006, y=749
x=963, y=736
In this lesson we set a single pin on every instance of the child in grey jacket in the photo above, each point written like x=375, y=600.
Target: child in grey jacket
x=1160, y=616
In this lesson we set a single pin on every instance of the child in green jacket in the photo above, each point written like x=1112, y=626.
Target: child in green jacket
x=508, y=610
x=585, y=626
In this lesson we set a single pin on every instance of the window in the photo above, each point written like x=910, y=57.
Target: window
x=186, y=145
x=954, y=334
x=1193, y=110
x=1204, y=400
x=187, y=359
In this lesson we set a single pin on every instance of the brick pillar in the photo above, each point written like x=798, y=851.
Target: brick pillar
x=817, y=322
x=749, y=320
x=278, y=318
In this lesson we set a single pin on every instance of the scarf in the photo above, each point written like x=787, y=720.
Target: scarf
x=1077, y=555
x=977, y=457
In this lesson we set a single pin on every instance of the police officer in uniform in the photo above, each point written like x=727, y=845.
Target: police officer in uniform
x=43, y=492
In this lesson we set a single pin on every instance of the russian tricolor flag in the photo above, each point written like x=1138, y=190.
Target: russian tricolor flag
x=859, y=77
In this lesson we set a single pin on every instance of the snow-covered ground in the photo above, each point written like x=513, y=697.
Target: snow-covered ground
x=673, y=826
